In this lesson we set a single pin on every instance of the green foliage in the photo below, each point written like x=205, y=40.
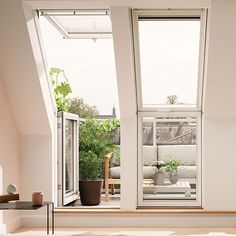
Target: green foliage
x=116, y=157
x=171, y=165
x=110, y=126
x=61, y=88
x=94, y=138
x=82, y=109
x=88, y=165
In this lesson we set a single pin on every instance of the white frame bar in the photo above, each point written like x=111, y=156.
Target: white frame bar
x=122, y=38
x=44, y=59
x=63, y=197
x=173, y=203
x=50, y=15
x=201, y=13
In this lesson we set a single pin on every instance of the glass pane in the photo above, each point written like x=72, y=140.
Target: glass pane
x=169, y=166
x=69, y=168
x=169, y=52
x=148, y=132
x=85, y=23
x=89, y=65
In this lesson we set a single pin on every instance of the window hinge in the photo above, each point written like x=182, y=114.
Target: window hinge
x=59, y=187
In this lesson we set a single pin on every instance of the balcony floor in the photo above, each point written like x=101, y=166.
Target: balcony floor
x=114, y=202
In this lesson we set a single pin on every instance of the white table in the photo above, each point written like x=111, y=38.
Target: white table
x=179, y=187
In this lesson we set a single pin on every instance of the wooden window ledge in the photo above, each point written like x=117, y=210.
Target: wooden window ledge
x=141, y=212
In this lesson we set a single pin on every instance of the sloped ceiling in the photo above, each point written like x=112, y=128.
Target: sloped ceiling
x=19, y=73
x=220, y=82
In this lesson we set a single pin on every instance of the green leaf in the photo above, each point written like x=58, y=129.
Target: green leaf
x=61, y=88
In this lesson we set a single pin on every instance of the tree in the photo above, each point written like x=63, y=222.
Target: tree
x=82, y=109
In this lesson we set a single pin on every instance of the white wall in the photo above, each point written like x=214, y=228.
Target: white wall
x=18, y=70
x=219, y=113
x=9, y=156
x=219, y=191
x=30, y=99
x=36, y=166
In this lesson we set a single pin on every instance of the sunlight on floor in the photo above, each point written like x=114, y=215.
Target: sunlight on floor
x=130, y=231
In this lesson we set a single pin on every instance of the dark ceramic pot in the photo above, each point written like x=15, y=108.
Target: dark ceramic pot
x=90, y=192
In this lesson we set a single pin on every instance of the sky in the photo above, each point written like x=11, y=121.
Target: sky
x=89, y=66
x=168, y=58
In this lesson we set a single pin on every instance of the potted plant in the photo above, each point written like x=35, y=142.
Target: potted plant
x=159, y=175
x=94, y=144
x=89, y=184
x=171, y=167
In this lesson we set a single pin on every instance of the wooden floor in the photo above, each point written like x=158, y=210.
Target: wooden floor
x=130, y=231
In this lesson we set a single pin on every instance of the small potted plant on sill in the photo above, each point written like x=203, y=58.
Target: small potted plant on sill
x=171, y=167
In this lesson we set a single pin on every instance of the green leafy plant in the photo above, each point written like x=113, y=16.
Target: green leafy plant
x=88, y=165
x=96, y=139
x=61, y=88
x=110, y=126
x=116, y=156
x=171, y=166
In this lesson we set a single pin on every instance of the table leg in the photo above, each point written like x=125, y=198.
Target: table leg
x=52, y=218
x=47, y=218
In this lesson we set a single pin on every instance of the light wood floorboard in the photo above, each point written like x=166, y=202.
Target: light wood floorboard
x=134, y=231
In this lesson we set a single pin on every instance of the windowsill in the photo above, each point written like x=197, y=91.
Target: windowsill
x=116, y=211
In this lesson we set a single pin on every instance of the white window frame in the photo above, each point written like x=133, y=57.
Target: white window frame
x=63, y=197
x=202, y=14
x=170, y=111
x=78, y=34
x=169, y=202
x=129, y=196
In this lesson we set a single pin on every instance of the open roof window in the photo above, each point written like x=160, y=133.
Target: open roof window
x=80, y=42
x=80, y=23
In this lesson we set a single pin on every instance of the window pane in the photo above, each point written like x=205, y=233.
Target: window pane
x=85, y=23
x=89, y=65
x=148, y=132
x=169, y=167
x=69, y=163
x=169, y=51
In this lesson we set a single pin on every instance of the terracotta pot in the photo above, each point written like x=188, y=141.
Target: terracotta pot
x=37, y=198
x=90, y=192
